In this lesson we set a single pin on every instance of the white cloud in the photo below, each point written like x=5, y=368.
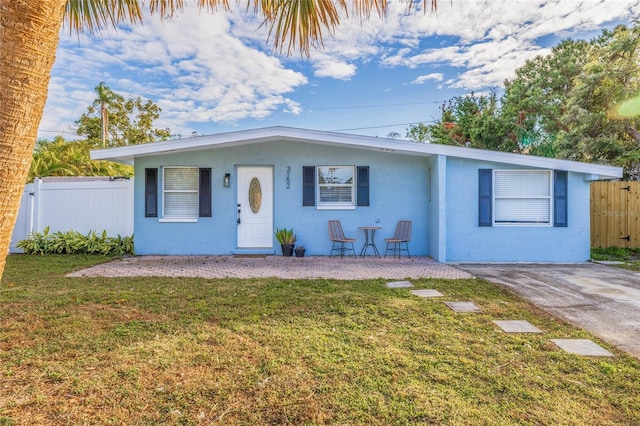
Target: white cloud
x=191, y=66
x=329, y=67
x=486, y=39
x=424, y=78
x=206, y=68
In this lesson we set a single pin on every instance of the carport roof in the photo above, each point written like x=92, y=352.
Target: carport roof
x=127, y=154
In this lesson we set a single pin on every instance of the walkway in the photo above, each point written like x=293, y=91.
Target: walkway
x=348, y=268
x=601, y=299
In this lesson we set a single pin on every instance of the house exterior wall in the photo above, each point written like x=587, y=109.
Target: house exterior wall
x=398, y=190
x=468, y=242
x=436, y=170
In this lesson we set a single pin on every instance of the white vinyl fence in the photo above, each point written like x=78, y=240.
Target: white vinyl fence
x=81, y=204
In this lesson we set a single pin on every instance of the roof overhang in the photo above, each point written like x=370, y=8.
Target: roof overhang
x=127, y=154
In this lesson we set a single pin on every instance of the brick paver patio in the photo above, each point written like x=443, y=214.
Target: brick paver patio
x=348, y=268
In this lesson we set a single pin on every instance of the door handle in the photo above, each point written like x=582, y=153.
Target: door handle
x=238, y=216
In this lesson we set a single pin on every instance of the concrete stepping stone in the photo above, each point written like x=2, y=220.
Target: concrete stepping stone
x=517, y=326
x=399, y=284
x=463, y=306
x=581, y=347
x=426, y=293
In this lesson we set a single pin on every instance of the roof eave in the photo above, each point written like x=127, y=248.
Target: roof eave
x=127, y=154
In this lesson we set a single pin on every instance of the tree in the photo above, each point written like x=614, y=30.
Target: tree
x=29, y=36
x=71, y=158
x=527, y=118
x=105, y=96
x=564, y=104
x=473, y=121
x=535, y=100
x=128, y=122
x=592, y=129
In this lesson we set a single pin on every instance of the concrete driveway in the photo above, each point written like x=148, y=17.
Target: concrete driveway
x=599, y=298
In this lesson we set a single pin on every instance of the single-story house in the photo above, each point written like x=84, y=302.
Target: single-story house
x=227, y=193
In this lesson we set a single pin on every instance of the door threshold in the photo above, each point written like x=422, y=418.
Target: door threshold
x=256, y=251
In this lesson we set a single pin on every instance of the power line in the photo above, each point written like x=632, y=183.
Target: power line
x=331, y=130
x=373, y=106
x=329, y=108
x=381, y=127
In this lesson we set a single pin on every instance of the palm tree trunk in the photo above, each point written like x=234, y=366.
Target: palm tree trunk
x=29, y=36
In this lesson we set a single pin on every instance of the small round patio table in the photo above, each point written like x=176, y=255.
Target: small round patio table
x=369, y=239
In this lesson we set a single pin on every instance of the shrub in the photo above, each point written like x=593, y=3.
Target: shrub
x=74, y=242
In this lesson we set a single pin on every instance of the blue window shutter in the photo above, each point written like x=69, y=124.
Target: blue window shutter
x=150, y=192
x=308, y=185
x=363, y=186
x=485, y=189
x=204, y=193
x=560, y=200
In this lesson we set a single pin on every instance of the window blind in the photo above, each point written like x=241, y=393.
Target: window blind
x=521, y=210
x=335, y=194
x=522, y=196
x=517, y=183
x=180, y=192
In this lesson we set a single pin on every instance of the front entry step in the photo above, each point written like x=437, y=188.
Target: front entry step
x=266, y=251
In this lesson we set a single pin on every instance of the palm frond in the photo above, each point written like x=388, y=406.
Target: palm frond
x=363, y=8
x=168, y=8
x=94, y=15
x=165, y=8
x=300, y=24
x=294, y=24
x=213, y=5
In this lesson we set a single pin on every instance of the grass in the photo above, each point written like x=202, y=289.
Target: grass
x=144, y=351
x=629, y=257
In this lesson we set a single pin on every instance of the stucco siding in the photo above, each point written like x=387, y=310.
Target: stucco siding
x=436, y=169
x=468, y=242
x=398, y=190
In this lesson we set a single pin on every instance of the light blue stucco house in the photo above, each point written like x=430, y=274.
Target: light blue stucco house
x=227, y=193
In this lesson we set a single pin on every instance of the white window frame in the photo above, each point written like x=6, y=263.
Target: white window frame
x=178, y=218
x=524, y=194
x=327, y=205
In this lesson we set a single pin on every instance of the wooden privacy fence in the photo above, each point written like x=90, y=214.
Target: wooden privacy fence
x=615, y=214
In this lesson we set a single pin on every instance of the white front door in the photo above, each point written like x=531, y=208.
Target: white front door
x=255, y=207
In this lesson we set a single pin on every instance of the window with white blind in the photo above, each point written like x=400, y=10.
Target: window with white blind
x=180, y=193
x=522, y=197
x=336, y=187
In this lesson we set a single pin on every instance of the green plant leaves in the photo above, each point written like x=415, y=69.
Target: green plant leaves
x=285, y=236
x=74, y=242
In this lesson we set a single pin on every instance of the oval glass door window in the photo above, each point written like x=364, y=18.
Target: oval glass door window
x=255, y=195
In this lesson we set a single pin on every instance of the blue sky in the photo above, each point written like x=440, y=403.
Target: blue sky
x=214, y=73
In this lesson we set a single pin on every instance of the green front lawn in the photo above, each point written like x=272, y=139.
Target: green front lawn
x=267, y=351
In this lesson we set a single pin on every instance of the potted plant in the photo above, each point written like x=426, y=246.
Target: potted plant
x=287, y=240
x=300, y=251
